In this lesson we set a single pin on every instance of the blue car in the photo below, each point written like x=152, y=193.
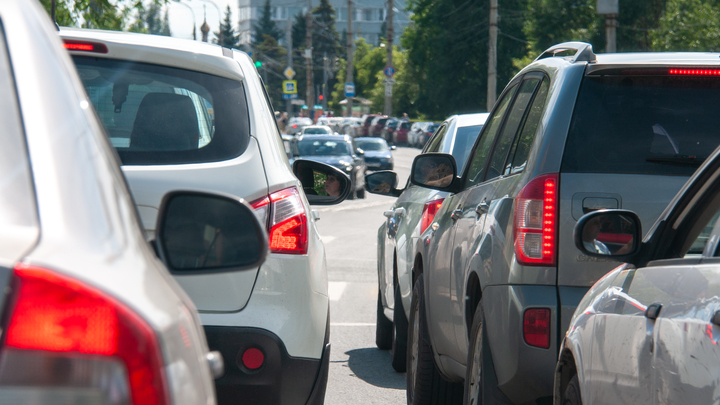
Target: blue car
x=378, y=154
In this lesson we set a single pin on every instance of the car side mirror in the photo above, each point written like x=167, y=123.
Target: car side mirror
x=322, y=184
x=360, y=152
x=201, y=233
x=437, y=171
x=382, y=183
x=393, y=147
x=613, y=234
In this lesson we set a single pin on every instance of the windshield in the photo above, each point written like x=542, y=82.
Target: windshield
x=316, y=131
x=323, y=148
x=372, y=145
x=643, y=124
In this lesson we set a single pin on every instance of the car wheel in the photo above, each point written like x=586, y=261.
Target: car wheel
x=425, y=386
x=352, y=187
x=572, y=392
x=474, y=375
x=361, y=193
x=383, y=327
x=400, y=328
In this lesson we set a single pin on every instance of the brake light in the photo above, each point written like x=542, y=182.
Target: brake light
x=428, y=215
x=535, y=223
x=287, y=224
x=536, y=327
x=695, y=72
x=66, y=333
x=85, y=46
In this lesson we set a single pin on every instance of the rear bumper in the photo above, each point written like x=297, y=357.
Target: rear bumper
x=282, y=379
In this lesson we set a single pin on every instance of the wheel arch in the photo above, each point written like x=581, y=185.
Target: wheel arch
x=565, y=370
x=473, y=294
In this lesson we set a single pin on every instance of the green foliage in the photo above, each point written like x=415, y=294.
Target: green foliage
x=226, y=33
x=104, y=14
x=326, y=43
x=273, y=58
x=265, y=26
x=688, y=25
x=150, y=21
x=405, y=90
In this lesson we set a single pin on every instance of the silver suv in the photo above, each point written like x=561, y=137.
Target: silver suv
x=497, y=275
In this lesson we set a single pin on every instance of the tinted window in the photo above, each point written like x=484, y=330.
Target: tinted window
x=437, y=140
x=524, y=142
x=464, y=140
x=643, y=124
x=161, y=115
x=310, y=147
x=406, y=125
x=315, y=131
x=517, y=112
x=372, y=145
x=480, y=155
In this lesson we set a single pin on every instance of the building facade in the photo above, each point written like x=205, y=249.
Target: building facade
x=368, y=17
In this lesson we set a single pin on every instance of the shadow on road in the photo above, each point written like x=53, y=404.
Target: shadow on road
x=374, y=367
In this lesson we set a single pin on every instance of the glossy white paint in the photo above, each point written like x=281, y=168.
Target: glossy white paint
x=89, y=228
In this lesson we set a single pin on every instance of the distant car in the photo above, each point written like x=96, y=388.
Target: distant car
x=335, y=123
x=653, y=322
x=378, y=154
x=367, y=120
x=377, y=125
x=400, y=135
x=388, y=131
x=317, y=130
x=409, y=216
x=426, y=134
x=350, y=126
x=339, y=151
x=414, y=134
x=296, y=124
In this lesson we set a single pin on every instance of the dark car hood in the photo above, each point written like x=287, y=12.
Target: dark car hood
x=376, y=154
x=330, y=160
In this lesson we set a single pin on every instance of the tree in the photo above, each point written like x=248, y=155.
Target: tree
x=272, y=57
x=265, y=26
x=368, y=61
x=226, y=35
x=149, y=20
x=101, y=14
x=688, y=25
x=326, y=43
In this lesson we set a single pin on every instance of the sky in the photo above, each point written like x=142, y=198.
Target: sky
x=181, y=17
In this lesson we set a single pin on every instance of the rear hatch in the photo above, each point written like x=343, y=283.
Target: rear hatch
x=636, y=136
x=179, y=129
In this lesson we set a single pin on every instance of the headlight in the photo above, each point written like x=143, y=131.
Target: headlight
x=348, y=168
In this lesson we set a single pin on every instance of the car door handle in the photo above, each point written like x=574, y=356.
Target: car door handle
x=482, y=208
x=653, y=311
x=399, y=211
x=457, y=213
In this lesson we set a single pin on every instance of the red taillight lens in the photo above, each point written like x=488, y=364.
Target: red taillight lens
x=428, y=215
x=287, y=223
x=54, y=313
x=536, y=327
x=695, y=72
x=253, y=358
x=85, y=46
x=535, y=224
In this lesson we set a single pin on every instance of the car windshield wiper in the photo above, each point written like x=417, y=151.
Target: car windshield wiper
x=679, y=160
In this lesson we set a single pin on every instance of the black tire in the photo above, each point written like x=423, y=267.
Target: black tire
x=400, y=328
x=360, y=193
x=572, y=393
x=352, y=187
x=474, y=375
x=383, y=327
x=425, y=386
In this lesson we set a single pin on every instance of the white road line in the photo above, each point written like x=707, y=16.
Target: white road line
x=352, y=324
x=336, y=289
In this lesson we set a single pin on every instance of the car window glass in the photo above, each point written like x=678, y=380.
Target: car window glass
x=159, y=115
x=515, y=116
x=464, y=140
x=323, y=148
x=373, y=146
x=17, y=199
x=482, y=150
x=524, y=141
x=437, y=140
x=698, y=246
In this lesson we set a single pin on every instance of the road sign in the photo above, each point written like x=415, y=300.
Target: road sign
x=290, y=96
x=289, y=73
x=389, y=71
x=297, y=101
x=389, y=81
x=388, y=89
x=349, y=89
x=290, y=86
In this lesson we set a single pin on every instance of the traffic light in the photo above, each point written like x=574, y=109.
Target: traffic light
x=258, y=64
x=321, y=97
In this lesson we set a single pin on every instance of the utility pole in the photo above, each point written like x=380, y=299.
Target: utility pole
x=288, y=38
x=308, y=59
x=349, y=76
x=388, y=85
x=492, y=56
x=610, y=9
x=326, y=68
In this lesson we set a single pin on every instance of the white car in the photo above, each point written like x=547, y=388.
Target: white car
x=190, y=115
x=90, y=315
x=296, y=124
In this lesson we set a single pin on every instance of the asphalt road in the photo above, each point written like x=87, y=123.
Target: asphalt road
x=359, y=371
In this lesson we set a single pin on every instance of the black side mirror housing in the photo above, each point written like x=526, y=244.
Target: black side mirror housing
x=322, y=183
x=203, y=233
x=612, y=234
x=383, y=183
x=437, y=171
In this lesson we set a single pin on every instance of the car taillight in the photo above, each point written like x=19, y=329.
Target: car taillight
x=85, y=46
x=536, y=327
x=429, y=210
x=535, y=223
x=695, y=72
x=287, y=223
x=67, y=338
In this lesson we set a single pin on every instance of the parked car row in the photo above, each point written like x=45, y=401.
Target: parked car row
x=488, y=286
x=146, y=299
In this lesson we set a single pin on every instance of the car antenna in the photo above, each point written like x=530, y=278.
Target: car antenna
x=52, y=13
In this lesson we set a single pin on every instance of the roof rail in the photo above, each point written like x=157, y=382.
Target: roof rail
x=583, y=52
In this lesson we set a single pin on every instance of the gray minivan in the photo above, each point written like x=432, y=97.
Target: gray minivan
x=497, y=275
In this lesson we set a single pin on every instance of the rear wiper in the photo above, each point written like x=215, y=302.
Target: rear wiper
x=679, y=160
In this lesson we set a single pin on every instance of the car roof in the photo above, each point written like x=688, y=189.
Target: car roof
x=466, y=120
x=318, y=126
x=159, y=50
x=370, y=139
x=663, y=58
x=327, y=138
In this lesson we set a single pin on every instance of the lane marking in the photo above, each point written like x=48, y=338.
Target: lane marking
x=336, y=289
x=352, y=324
